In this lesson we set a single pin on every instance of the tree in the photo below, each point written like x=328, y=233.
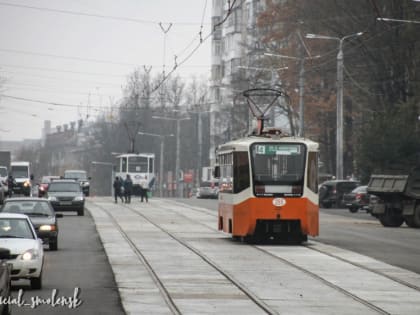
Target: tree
x=381, y=67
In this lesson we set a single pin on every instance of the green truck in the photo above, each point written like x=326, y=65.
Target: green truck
x=398, y=198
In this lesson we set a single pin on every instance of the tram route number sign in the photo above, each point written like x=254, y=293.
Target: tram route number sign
x=281, y=149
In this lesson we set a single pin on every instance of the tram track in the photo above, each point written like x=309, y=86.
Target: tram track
x=165, y=293
x=306, y=271
x=395, y=279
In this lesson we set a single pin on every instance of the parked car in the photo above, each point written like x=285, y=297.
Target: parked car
x=3, y=192
x=81, y=177
x=66, y=195
x=331, y=192
x=18, y=235
x=208, y=190
x=5, y=271
x=41, y=214
x=357, y=199
x=43, y=185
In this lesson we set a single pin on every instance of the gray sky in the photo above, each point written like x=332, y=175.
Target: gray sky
x=50, y=55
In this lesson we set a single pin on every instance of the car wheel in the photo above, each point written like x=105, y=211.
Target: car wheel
x=353, y=209
x=53, y=245
x=81, y=212
x=36, y=283
x=326, y=205
x=6, y=309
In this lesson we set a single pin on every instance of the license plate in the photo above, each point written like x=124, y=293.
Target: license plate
x=65, y=203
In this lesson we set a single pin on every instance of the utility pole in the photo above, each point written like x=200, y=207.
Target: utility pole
x=162, y=150
x=340, y=128
x=179, y=184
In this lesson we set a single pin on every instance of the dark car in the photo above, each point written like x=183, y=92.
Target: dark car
x=41, y=214
x=43, y=185
x=5, y=270
x=331, y=192
x=81, y=177
x=66, y=195
x=208, y=190
x=357, y=199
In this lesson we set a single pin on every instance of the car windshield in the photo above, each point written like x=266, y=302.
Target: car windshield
x=360, y=189
x=209, y=184
x=64, y=187
x=34, y=208
x=3, y=172
x=15, y=228
x=20, y=171
x=75, y=175
x=48, y=179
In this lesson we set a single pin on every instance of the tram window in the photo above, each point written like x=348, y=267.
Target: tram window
x=124, y=165
x=225, y=179
x=151, y=165
x=278, y=168
x=240, y=171
x=138, y=164
x=313, y=171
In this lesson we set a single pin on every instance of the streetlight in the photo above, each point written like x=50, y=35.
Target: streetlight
x=177, y=162
x=162, y=149
x=340, y=158
x=301, y=86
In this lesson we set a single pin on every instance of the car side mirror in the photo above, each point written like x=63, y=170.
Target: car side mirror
x=4, y=253
x=32, y=177
x=58, y=215
x=216, y=172
x=89, y=178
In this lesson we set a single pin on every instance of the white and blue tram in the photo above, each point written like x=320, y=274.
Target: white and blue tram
x=140, y=166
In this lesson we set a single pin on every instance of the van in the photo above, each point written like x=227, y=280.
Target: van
x=21, y=172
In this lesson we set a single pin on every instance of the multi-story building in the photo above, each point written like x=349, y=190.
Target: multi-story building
x=235, y=47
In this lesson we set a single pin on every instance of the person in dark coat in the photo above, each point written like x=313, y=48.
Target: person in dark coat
x=144, y=188
x=10, y=184
x=128, y=188
x=118, y=183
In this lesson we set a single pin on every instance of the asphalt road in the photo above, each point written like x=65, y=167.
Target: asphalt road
x=361, y=233
x=80, y=262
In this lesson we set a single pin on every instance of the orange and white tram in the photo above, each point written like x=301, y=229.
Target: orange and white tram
x=268, y=187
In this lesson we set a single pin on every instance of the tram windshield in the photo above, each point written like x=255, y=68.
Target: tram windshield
x=278, y=169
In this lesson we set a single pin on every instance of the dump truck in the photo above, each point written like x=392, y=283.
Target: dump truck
x=398, y=198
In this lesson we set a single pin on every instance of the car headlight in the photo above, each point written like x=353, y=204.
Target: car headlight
x=41, y=188
x=47, y=227
x=52, y=198
x=26, y=184
x=78, y=198
x=30, y=254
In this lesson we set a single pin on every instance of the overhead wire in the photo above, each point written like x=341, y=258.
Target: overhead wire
x=79, y=13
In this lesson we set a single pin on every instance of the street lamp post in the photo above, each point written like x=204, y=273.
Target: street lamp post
x=162, y=150
x=178, y=140
x=340, y=128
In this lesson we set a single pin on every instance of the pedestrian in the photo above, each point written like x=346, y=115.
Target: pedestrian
x=10, y=184
x=117, y=189
x=144, y=188
x=128, y=188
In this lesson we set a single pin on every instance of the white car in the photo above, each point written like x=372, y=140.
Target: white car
x=18, y=235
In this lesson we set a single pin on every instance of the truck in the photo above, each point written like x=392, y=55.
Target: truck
x=5, y=158
x=398, y=198
x=21, y=172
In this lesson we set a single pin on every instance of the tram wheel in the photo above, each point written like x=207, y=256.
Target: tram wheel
x=391, y=219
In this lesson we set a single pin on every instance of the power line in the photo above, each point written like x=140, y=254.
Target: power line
x=100, y=16
x=178, y=64
x=23, y=52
